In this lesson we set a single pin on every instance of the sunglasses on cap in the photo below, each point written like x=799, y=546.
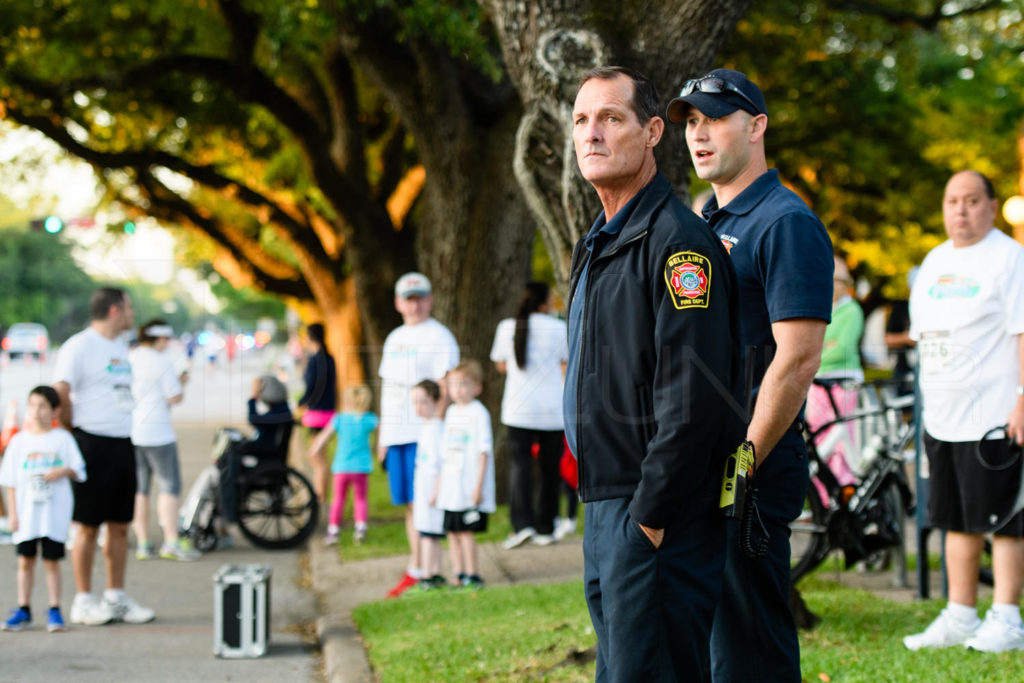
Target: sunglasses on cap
x=713, y=85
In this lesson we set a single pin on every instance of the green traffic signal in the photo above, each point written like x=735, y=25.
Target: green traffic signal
x=129, y=227
x=53, y=224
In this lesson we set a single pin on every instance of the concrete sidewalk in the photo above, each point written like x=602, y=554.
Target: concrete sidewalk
x=346, y=585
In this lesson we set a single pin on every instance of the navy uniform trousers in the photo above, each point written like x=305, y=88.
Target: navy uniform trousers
x=754, y=638
x=652, y=609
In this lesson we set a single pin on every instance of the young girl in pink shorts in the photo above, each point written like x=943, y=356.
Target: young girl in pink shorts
x=353, y=458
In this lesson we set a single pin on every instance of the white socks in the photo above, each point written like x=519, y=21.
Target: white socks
x=1009, y=614
x=965, y=614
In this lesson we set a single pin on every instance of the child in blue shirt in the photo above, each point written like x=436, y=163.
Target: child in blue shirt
x=353, y=458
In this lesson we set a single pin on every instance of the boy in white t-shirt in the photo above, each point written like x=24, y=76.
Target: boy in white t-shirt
x=36, y=469
x=429, y=520
x=465, y=489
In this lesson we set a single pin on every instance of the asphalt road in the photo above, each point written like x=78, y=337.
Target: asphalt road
x=178, y=645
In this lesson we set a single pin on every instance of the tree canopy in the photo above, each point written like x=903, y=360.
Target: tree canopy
x=40, y=282
x=872, y=106
x=326, y=146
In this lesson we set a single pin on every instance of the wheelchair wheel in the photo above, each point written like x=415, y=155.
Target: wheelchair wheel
x=277, y=510
x=202, y=532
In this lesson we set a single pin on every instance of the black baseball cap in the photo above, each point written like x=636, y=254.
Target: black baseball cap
x=739, y=92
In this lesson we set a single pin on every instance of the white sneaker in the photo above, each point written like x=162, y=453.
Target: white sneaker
x=996, y=635
x=543, y=539
x=129, y=611
x=945, y=631
x=518, y=538
x=89, y=610
x=564, y=526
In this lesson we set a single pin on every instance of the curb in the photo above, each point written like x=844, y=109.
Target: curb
x=345, y=586
x=344, y=656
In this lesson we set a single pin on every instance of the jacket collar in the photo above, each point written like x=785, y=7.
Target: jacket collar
x=655, y=193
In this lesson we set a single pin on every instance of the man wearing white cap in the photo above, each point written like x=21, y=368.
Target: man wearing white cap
x=421, y=348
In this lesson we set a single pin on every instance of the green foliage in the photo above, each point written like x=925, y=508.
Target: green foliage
x=40, y=282
x=869, y=115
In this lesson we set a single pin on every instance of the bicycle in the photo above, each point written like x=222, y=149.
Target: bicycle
x=866, y=518
x=276, y=506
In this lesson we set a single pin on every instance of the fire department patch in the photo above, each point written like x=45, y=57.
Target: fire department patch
x=688, y=276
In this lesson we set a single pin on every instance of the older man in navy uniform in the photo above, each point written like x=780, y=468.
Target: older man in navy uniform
x=651, y=405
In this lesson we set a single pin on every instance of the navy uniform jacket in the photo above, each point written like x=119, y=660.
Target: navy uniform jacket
x=656, y=380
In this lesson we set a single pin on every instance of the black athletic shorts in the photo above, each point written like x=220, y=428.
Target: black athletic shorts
x=456, y=522
x=52, y=550
x=108, y=493
x=973, y=492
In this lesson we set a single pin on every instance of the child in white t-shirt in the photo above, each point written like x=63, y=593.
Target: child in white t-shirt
x=429, y=520
x=465, y=489
x=36, y=469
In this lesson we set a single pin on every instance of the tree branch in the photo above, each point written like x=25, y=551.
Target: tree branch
x=292, y=225
x=929, y=21
x=272, y=274
x=245, y=30
x=392, y=159
x=249, y=84
x=348, y=146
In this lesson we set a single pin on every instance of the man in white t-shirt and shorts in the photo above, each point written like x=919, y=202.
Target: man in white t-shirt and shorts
x=94, y=379
x=967, y=317
x=421, y=348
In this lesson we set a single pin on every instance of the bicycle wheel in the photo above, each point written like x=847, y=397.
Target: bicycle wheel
x=278, y=510
x=808, y=536
x=884, y=524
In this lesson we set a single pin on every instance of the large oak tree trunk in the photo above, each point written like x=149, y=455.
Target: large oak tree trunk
x=549, y=44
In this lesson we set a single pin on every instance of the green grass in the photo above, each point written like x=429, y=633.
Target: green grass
x=497, y=634
x=860, y=639
x=386, y=533
x=537, y=633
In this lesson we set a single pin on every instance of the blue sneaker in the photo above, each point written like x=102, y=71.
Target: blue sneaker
x=55, y=622
x=18, y=620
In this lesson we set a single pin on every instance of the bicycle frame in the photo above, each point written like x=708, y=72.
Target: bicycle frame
x=845, y=518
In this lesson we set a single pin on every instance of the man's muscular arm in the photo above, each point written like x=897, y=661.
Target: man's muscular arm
x=785, y=384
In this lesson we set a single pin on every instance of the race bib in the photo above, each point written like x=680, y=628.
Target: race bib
x=935, y=354
x=39, y=490
x=123, y=398
x=453, y=460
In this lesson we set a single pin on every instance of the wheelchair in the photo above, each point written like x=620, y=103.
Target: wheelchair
x=275, y=506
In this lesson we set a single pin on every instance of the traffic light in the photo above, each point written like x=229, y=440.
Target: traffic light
x=50, y=224
x=129, y=227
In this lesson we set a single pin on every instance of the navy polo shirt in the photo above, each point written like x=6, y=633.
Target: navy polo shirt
x=601, y=233
x=783, y=260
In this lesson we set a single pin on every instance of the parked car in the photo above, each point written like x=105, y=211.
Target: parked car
x=26, y=338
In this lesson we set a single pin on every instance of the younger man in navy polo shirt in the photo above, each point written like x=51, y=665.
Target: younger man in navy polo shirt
x=783, y=261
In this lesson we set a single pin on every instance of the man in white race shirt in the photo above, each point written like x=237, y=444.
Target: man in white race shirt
x=967, y=317
x=421, y=348
x=94, y=380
